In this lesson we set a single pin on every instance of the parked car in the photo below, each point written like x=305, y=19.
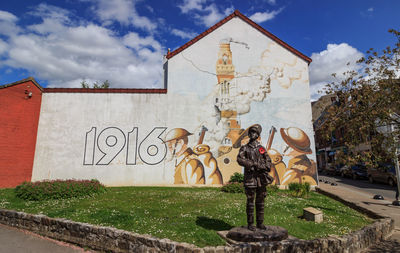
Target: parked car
x=345, y=171
x=332, y=169
x=384, y=174
x=356, y=171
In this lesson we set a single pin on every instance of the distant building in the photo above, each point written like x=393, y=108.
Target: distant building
x=326, y=149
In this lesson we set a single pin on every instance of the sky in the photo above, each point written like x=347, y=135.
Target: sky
x=62, y=42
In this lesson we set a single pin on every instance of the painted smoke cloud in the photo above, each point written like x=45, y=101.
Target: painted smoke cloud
x=284, y=66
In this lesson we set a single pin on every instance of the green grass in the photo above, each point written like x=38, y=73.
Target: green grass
x=191, y=215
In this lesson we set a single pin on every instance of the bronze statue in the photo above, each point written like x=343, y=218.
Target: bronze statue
x=256, y=162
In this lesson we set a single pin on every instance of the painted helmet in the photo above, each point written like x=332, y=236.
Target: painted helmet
x=176, y=133
x=296, y=139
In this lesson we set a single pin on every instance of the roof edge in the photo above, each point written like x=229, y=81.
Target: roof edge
x=237, y=13
x=86, y=90
x=23, y=81
x=101, y=90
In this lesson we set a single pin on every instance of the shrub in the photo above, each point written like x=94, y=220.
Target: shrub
x=233, y=188
x=236, y=178
x=272, y=188
x=299, y=190
x=58, y=189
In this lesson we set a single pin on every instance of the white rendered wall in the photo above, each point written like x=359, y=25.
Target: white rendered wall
x=271, y=88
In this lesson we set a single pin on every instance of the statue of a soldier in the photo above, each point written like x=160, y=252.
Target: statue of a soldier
x=256, y=162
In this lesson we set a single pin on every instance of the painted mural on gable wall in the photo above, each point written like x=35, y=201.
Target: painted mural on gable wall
x=206, y=153
x=213, y=161
x=219, y=86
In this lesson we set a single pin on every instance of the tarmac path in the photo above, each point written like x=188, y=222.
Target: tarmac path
x=364, y=186
x=14, y=240
x=362, y=195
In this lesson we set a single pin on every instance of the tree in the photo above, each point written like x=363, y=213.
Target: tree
x=96, y=85
x=367, y=107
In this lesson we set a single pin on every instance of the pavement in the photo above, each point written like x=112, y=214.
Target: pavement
x=14, y=240
x=381, y=207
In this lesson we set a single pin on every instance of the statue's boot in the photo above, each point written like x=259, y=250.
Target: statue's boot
x=250, y=216
x=260, y=215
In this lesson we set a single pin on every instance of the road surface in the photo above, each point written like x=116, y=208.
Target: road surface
x=14, y=240
x=362, y=186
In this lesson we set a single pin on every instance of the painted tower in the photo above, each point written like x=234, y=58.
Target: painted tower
x=225, y=74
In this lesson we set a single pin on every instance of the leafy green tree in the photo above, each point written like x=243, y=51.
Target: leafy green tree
x=96, y=85
x=367, y=107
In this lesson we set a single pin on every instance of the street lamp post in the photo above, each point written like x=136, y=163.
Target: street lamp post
x=396, y=164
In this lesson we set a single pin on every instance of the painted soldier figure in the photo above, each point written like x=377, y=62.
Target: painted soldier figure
x=192, y=166
x=256, y=162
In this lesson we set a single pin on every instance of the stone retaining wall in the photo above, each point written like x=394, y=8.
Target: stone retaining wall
x=115, y=240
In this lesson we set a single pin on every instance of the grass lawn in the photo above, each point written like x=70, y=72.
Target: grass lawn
x=191, y=215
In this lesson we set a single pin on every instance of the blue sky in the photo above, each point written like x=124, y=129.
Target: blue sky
x=62, y=42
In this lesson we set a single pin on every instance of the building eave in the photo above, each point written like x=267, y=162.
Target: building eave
x=29, y=79
x=236, y=13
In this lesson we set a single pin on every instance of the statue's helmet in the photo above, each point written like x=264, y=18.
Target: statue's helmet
x=244, y=133
x=296, y=139
x=176, y=134
x=256, y=127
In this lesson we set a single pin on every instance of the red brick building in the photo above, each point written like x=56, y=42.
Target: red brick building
x=19, y=117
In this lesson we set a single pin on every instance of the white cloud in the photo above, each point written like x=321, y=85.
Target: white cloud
x=64, y=54
x=133, y=40
x=261, y=17
x=205, y=14
x=54, y=19
x=122, y=11
x=332, y=60
x=8, y=23
x=52, y=12
x=7, y=16
x=183, y=34
x=3, y=47
x=189, y=5
x=371, y=9
x=272, y=2
x=212, y=15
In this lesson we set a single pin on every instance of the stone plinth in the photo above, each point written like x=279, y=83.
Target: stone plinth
x=312, y=214
x=271, y=233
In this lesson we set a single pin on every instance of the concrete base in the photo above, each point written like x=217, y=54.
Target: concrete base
x=243, y=234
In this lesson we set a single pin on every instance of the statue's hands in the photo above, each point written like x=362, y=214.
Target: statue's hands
x=261, y=165
x=253, y=168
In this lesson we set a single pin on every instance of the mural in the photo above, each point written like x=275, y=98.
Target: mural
x=192, y=166
x=215, y=161
x=231, y=97
x=218, y=87
x=300, y=168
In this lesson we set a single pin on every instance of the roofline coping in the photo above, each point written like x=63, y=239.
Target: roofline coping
x=237, y=13
x=23, y=81
x=85, y=90
x=101, y=90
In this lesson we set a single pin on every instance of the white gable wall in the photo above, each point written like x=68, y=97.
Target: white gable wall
x=282, y=102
